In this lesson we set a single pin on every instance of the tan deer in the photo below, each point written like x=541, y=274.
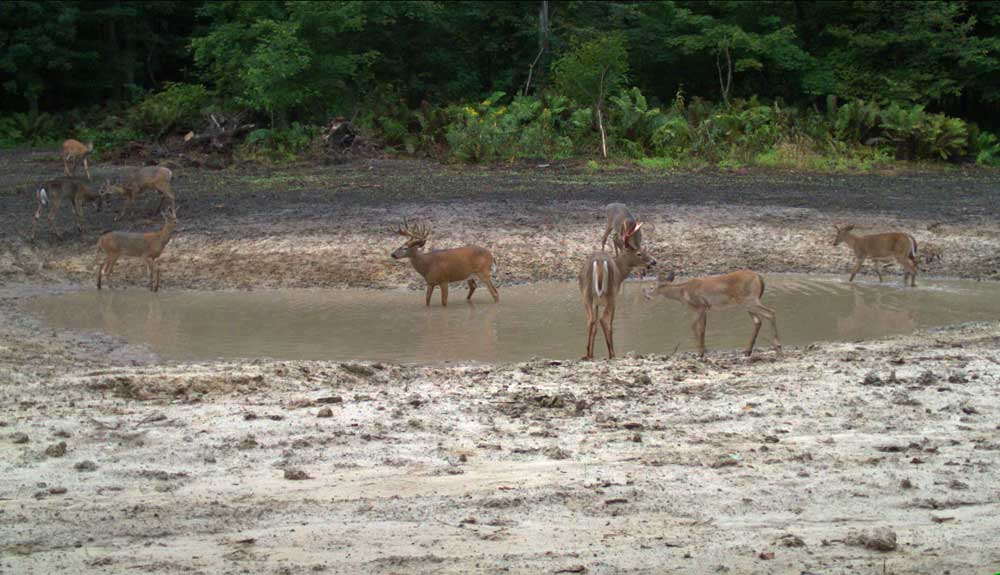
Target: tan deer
x=75, y=190
x=624, y=225
x=896, y=245
x=74, y=151
x=743, y=288
x=601, y=279
x=146, y=178
x=440, y=267
x=148, y=246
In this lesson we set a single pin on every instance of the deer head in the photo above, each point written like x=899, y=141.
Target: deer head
x=417, y=238
x=842, y=233
x=661, y=281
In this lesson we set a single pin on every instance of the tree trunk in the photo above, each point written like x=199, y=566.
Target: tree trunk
x=543, y=40
x=600, y=126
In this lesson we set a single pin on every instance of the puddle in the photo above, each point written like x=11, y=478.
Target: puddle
x=538, y=320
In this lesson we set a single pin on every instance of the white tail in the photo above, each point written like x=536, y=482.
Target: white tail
x=43, y=196
x=913, y=247
x=600, y=281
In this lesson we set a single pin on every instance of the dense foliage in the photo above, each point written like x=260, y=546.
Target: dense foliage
x=774, y=82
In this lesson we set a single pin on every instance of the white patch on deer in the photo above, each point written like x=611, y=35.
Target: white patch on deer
x=43, y=196
x=600, y=286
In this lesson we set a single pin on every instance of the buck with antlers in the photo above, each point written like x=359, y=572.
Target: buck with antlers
x=146, y=178
x=601, y=279
x=72, y=152
x=147, y=246
x=743, y=288
x=896, y=245
x=75, y=190
x=625, y=227
x=440, y=267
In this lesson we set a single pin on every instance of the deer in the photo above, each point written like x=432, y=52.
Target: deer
x=148, y=177
x=441, y=267
x=896, y=245
x=625, y=226
x=742, y=288
x=75, y=190
x=73, y=151
x=601, y=279
x=148, y=246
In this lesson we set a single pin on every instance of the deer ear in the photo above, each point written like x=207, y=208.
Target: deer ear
x=637, y=226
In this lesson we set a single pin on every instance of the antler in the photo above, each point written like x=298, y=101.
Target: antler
x=626, y=233
x=418, y=232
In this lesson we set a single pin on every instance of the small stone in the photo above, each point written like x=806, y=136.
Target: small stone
x=57, y=490
x=907, y=484
x=56, y=449
x=791, y=540
x=296, y=475
x=19, y=437
x=879, y=539
x=85, y=465
x=325, y=412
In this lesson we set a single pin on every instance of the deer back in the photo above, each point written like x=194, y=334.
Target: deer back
x=891, y=244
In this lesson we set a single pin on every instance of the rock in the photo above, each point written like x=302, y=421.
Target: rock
x=791, y=540
x=358, y=369
x=248, y=442
x=296, y=475
x=556, y=453
x=19, y=437
x=879, y=539
x=331, y=399
x=56, y=449
x=57, y=490
x=958, y=485
x=325, y=412
x=907, y=484
x=85, y=465
x=643, y=379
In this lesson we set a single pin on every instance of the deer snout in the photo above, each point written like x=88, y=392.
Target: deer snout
x=651, y=263
x=648, y=293
x=398, y=253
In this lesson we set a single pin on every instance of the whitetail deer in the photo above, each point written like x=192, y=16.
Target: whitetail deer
x=896, y=245
x=744, y=288
x=601, y=279
x=440, y=267
x=625, y=227
x=52, y=194
x=148, y=246
x=74, y=151
x=146, y=178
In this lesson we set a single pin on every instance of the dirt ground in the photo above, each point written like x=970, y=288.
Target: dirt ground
x=838, y=458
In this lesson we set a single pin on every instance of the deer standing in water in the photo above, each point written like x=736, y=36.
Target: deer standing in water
x=624, y=225
x=601, y=279
x=743, y=288
x=148, y=246
x=146, y=178
x=440, y=267
x=75, y=190
x=74, y=151
x=896, y=245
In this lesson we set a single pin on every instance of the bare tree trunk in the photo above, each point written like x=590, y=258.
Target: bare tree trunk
x=725, y=85
x=600, y=115
x=543, y=40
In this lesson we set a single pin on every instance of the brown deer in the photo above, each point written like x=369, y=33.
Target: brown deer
x=73, y=151
x=625, y=226
x=148, y=246
x=601, y=279
x=896, y=245
x=743, y=288
x=440, y=267
x=146, y=178
x=75, y=190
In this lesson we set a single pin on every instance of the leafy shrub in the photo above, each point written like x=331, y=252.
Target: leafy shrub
x=489, y=131
x=985, y=147
x=919, y=135
x=279, y=145
x=177, y=106
x=31, y=128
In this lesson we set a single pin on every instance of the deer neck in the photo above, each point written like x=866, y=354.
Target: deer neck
x=674, y=292
x=420, y=261
x=624, y=269
x=166, y=233
x=852, y=240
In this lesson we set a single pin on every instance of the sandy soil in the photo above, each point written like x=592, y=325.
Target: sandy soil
x=864, y=457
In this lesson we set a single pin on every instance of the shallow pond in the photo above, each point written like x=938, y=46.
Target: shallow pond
x=543, y=320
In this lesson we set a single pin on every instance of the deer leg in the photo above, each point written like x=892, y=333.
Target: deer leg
x=756, y=330
x=878, y=271
x=149, y=267
x=486, y=279
x=591, y=330
x=607, y=326
x=100, y=272
x=156, y=270
x=909, y=271
x=430, y=290
x=78, y=214
x=110, y=266
x=86, y=168
x=53, y=210
x=65, y=165
x=699, y=331
x=160, y=205
x=857, y=267
x=444, y=294
x=604, y=240
x=472, y=289
x=767, y=313
x=34, y=220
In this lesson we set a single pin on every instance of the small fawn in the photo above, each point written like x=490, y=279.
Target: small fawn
x=75, y=190
x=72, y=152
x=148, y=246
x=743, y=288
x=624, y=225
x=146, y=178
x=600, y=280
x=896, y=245
x=440, y=267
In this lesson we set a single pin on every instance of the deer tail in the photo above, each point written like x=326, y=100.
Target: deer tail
x=600, y=280
x=760, y=294
x=493, y=266
x=43, y=196
x=913, y=248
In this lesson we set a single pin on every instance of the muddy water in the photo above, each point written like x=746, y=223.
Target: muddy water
x=544, y=320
